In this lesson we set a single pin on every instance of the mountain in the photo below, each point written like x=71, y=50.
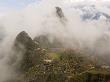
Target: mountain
x=38, y=63
x=42, y=65
x=90, y=12
x=29, y=50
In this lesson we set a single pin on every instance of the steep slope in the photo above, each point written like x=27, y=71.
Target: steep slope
x=36, y=64
x=30, y=52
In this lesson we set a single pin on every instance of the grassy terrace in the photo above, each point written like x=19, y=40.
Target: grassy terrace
x=100, y=71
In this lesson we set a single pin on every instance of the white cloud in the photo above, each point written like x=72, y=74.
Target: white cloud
x=5, y=10
x=39, y=19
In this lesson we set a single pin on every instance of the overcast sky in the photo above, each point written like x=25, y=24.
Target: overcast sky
x=7, y=6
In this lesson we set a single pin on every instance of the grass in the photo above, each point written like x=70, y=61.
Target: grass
x=54, y=56
x=100, y=71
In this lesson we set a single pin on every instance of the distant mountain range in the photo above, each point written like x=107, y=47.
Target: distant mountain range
x=92, y=13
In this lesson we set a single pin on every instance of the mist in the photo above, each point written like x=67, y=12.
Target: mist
x=41, y=19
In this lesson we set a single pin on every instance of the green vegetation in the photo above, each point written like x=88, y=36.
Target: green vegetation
x=54, y=56
x=48, y=64
x=100, y=71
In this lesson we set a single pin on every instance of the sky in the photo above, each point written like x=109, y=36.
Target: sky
x=7, y=6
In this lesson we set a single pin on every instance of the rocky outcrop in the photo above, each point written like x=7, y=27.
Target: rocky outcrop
x=59, y=12
x=61, y=16
x=29, y=50
x=24, y=40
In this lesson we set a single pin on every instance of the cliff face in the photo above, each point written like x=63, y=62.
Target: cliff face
x=31, y=53
x=25, y=41
x=59, y=12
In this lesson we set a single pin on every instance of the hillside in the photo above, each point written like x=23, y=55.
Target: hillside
x=56, y=41
x=45, y=65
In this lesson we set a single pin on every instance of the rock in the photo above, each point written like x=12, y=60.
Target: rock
x=24, y=40
x=59, y=12
x=28, y=49
x=61, y=16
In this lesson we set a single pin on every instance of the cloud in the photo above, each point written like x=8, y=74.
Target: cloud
x=13, y=5
x=5, y=10
x=40, y=19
